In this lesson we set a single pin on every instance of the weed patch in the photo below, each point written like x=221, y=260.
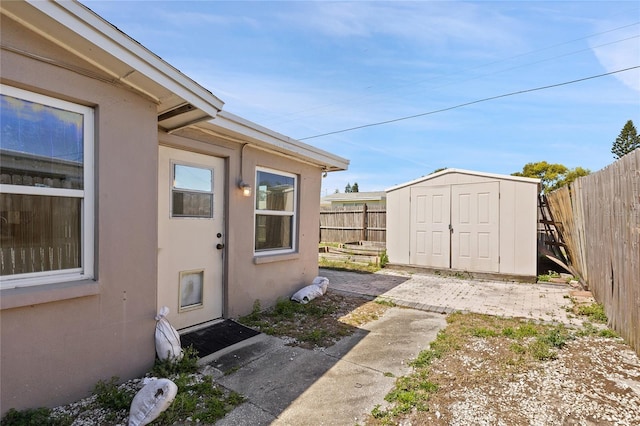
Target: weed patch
x=319, y=323
x=595, y=312
x=112, y=397
x=198, y=399
x=34, y=417
x=347, y=265
x=170, y=367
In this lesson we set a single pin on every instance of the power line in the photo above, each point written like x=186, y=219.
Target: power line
x=380, y=123
x=287, y=117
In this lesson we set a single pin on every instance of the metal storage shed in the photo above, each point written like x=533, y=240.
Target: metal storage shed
x=465, y=221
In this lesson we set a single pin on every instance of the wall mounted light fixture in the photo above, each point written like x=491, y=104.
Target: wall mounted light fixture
x=246, y=189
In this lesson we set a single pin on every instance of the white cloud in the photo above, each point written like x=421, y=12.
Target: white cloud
x=619, y=50
x=423, y=22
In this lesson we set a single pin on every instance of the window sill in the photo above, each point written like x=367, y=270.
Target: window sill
x=46, y=293
x=259, y=260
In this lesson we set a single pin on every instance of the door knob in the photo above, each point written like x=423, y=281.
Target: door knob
x=219, y=246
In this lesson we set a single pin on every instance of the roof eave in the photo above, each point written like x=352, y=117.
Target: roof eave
x=229, y=125
x=181, y=101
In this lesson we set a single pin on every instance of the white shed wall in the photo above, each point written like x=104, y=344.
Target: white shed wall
x=517, y=219
x=398, y=229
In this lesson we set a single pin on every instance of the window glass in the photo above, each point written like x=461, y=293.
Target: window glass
x=275, y=215
x=275, y=192
x=39, y=234
x=46, y=193
x=192, y=193
x=273, y=232
x=41, y=145
x=189, y=204
x=192, y=178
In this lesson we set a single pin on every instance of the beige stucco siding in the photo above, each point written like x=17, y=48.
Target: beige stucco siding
x=55, y=348
x=269, y=277
x=248, y=277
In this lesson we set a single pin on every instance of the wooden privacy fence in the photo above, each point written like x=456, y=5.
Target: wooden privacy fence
x=599, y=218
x=351, y=224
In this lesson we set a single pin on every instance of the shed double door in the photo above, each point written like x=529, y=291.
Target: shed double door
x=456, y=226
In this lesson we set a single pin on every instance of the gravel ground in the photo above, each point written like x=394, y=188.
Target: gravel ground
x=593, y=381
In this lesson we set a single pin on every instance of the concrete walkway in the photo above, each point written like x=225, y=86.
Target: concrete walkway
x=340, y=385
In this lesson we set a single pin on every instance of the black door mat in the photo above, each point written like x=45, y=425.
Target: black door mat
x=216, y=337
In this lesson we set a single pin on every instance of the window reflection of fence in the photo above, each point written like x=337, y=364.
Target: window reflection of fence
x=599, y=218
x=27, y=259
x=351, y=224
x=38, y=233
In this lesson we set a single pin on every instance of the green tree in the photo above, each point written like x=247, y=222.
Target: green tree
x=552, y=176
x=627, y=141
x=347, y=188
x=572, y=175
x=354, y=188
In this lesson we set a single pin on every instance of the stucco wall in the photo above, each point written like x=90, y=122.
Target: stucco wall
x=281, y=276
x=249, y=278
x=57, y=341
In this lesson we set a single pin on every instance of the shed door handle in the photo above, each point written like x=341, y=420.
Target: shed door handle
x=219, y=246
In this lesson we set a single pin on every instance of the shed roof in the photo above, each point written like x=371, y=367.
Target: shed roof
x=181, y=102
x=466, y=172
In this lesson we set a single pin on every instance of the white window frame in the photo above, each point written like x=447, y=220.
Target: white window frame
x=86, y=271
x=293, y=215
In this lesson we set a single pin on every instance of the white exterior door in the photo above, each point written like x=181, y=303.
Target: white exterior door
x=190, y=236
x=430, y=218
x=475, y=218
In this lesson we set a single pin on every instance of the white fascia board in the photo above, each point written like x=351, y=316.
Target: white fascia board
x=88, y=25
x=269, y=139
x=464, y=172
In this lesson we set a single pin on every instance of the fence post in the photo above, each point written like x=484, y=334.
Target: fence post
x=364, y=222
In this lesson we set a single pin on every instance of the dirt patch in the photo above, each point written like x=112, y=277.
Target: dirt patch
x=490, y=372
x=318, y=324
x=592, y=381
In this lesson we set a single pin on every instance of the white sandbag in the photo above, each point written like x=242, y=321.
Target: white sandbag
x=306, y=294
x=150, y=401
x=322, y=282
x=167, y=338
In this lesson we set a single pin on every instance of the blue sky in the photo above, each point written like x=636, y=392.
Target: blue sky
x=309, y=68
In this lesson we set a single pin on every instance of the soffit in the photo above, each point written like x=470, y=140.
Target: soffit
x=231, y=127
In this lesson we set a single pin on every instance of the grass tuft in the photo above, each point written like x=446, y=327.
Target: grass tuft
x=595, y=312
x=110, y=396
x=34, y=417
x=170, y=367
